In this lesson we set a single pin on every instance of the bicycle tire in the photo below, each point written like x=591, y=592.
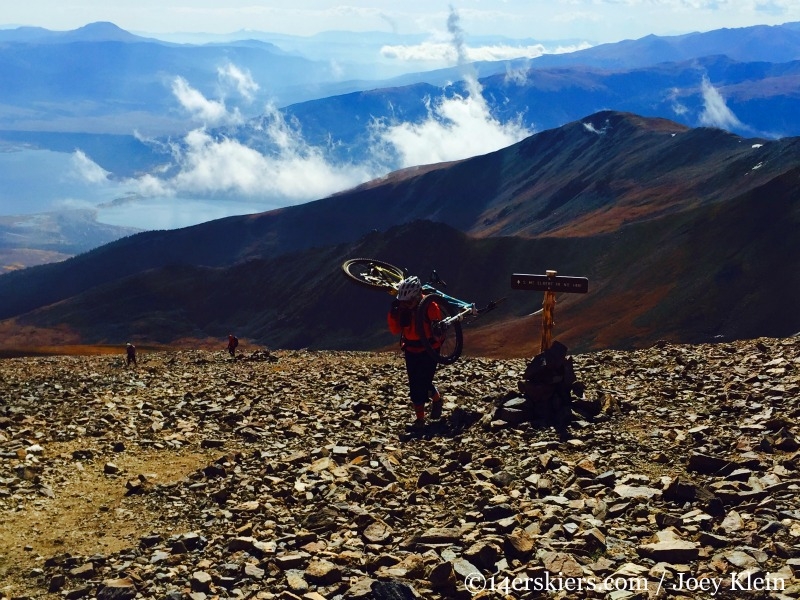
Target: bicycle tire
x=374, y=274
x=452, y=338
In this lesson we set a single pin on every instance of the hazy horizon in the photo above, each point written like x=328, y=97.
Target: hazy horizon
x=601, y=21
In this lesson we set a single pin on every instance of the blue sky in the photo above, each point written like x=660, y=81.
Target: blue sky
x=591, y=20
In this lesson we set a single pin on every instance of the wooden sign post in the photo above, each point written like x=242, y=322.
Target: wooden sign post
x=548, y=308
x=549, y=284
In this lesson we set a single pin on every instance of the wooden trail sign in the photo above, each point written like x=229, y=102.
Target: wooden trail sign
x=549, y=283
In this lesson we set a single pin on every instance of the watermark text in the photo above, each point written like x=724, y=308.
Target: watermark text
x=682, y=582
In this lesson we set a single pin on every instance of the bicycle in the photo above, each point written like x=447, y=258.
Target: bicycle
x=379, y=275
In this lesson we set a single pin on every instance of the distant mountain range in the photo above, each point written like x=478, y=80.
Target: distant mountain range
x=758, y=43
x=751, y=99
x=102, y=79
x=686, y=234
x=107, y=92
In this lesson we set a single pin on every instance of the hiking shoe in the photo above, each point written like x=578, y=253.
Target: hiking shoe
x=416, y=424
x=436, y=409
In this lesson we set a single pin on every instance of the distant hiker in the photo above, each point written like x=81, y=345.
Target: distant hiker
x=130, y=352
x=420, y=365
x=233, y=343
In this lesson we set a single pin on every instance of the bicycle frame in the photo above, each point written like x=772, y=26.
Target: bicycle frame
x=379, y=275
x=463, y=308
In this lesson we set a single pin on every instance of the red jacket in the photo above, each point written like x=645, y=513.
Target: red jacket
x=409, y=336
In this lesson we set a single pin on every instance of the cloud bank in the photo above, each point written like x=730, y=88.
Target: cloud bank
x=444, y=52
x=219, y=166
x=229, y=162
x=283, y=168
x=292, y=170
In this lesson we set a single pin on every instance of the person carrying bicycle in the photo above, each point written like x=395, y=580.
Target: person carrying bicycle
x=420, y=365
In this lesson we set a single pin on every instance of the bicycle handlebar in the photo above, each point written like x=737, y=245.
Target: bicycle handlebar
x=471, y=309
x=491, y=306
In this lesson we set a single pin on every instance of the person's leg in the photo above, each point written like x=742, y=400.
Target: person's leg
x=436, y=407
x=431, y=364
x=425, y=369
x=418, y=382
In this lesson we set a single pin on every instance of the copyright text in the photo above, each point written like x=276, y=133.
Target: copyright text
x=745, y=581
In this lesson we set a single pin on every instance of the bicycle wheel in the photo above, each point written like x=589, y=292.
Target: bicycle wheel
x=373, y=274
x=448, y=339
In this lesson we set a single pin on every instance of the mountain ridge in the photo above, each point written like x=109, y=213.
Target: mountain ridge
x=773, y=43
x=99, y=31
x=275, y=277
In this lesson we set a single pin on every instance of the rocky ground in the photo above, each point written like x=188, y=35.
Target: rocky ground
x=289, y=475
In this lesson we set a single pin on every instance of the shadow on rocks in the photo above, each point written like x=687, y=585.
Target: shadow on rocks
x=448, y=426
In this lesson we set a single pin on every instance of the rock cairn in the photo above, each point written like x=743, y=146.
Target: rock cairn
x=292, y=477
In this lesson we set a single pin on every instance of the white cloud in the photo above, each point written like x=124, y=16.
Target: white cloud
x=677, y=106
x=592, y=129
x=568, y=49
x=774, y=7
x=286, y=169
x=220, y=166
x=427, y=51
x=451, y=47
x=88, y=170
x=210, y=112
x=242, y=80
x=456, y=128
x=433, y=51
x=518, y=76
x=679, y=109
x=715, y=112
